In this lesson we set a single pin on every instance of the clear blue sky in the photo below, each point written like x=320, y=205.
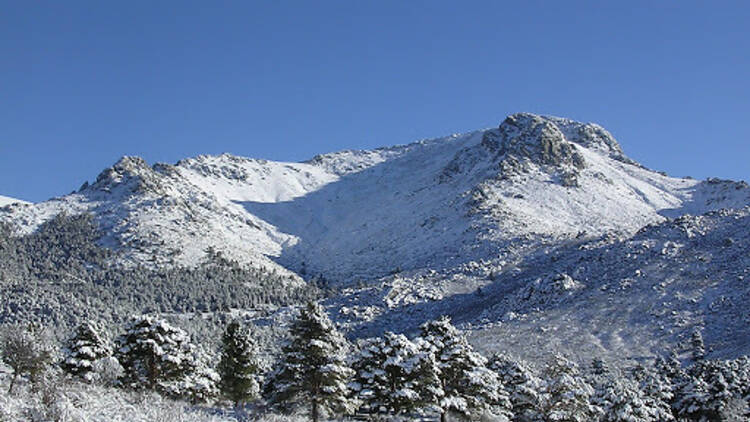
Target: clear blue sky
x=83, y=83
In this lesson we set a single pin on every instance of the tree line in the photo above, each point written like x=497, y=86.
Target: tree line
x=437, y=372
x=60, y=275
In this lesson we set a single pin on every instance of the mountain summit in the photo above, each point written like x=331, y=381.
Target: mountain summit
x=491, y=194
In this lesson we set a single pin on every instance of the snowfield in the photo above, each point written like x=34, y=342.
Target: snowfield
x=5, y=200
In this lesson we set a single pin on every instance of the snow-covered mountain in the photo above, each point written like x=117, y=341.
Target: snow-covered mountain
x=492, y=194
x=539, y=235
x=5, y=200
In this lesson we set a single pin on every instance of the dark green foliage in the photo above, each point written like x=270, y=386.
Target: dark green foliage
x=468, y=386
x=393, y=376
x=523, y=386
x=60, y=275
x=569, y=395
x=711, y=391
x=154, y=354
x=313, y=367
x=87, y=345
x=239, y=368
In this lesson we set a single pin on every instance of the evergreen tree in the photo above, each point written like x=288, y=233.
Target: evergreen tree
x=600, y=368
x=154, y=355
x=313, y=367
x=568, y=394
x=711, y=391
x=698, y=348
x=669, y=367
x=741, y=371
x=468, y=386
x=239, y=367
x=621, y=400
x=657, y=391
x=199, y=384
x=691, y=400
x=85, y=347
x=524, y=388
x=393, y=376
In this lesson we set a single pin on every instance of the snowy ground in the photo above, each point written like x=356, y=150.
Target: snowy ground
x=5, y=200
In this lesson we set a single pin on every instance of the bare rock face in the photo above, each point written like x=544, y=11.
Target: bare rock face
x=538, y=139
x=525, y=141
x=130, y=173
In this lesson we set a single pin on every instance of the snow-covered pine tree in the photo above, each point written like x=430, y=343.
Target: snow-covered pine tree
x=154, y=355
x=657, y=391
x=427, y=375
x=741, y=370
x=669, y=367
x=599, y=367
x=390, y=373
x=313, y=367
x=469, y=387
x=87, y=345
x=710, y=392
x=621, y=400
x=568, y=394
x=697, y=346
x=200, y=381
x=524, y=388
x=691, y=400
x=239, y=367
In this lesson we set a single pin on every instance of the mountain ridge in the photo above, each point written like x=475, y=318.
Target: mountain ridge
x=361, y=214
x=6, y=200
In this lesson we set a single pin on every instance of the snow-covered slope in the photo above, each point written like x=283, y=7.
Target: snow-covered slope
x=624, y=297
x=490, y=195
x=5, y=200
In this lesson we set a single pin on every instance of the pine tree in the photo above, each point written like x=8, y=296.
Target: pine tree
x=393, y=376
x=85, y=347
x=568, y=394
x=741, y=371
x=239, y=367
x=313, y=368
x=599, y=367
x=698, y=348
x=468, y=386
x=199, y=382
x=154, y=355
x=621, y=400
x=711, y=391
x=524, y=388
x=657, y=391
x=669, y=367
x=691, y=400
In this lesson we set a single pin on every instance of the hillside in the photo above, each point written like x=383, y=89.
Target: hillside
x=5, y=200
x=539, y=235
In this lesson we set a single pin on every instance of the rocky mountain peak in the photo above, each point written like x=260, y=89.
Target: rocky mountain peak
x=549, y=128
x=538, y=138
x=131, y=173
